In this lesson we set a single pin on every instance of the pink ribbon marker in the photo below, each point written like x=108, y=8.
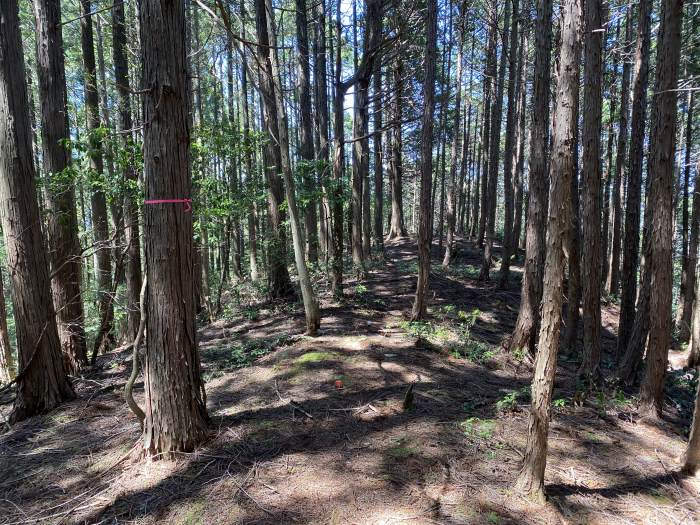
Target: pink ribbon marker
x=186, y=202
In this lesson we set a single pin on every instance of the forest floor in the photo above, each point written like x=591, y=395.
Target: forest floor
x=313, y=430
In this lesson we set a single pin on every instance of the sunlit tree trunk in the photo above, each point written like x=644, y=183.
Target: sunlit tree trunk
x=426, y=161
x=42, y=382
x=526, y=326
x=306, y=146
x=397, y=228
x=621, y=159
x=687, y=291
x=313, y=318
x=630, y=259
x=98, y=200
x=62, y=221
x=176, y=417
x=662, y=142
x=452, y=183
x=591, y=186
x=531, y=478
x=511, y=141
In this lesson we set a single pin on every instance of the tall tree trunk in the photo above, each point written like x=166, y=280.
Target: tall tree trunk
x=42, y=382
x=313, y=318
x=511, y=138
x=131, y=210
x=617, y=190
x=378, y=164
x=691, y=457
x=452, y=186
x=476, y=216
x=662, y=142
x=278, y=275
x=590, y=207
x=8, y=369
x=531, y=478
x=176, y=416
x=62, y=227
x=520, y=149
x=248, y=154
x=397, y=228
x=306, y=145
x=338, y=167
x=687, y=292
x=630, y=259
x=527, y=323
x=98, y=200
x=426, y=161
x=488, y=103
x=495, y=144
x=322, y=119
x=573, y=255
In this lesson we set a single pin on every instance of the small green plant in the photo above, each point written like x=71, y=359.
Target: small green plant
x=510, y=400
x=519, y=354
x=251, y=313
x=360, y=289
x=559, y=403
x=478, y=428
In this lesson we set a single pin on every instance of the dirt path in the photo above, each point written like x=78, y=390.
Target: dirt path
x=314, y=431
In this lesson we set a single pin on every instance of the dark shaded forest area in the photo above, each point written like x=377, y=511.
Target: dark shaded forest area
x=353, y=261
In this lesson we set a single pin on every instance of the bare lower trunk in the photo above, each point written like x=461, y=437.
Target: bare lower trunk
x=176, y=416
x=313, y=318
x=691, y=458
x=591, y=185
x=525, y=330
x=531, y=478
x=98, y=199
x=687, y=293
x=509, y=153
x=397, y=228
x=662, y=142
x=42, y=382
x=426, y=162
x=630, y=258
x=131, y=211
x=62, y=221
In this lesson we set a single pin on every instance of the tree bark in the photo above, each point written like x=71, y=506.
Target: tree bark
x=662, y=142
x=313, y=318
x=98, y=200
x=617, y=190
x=531, y=478
x=378, y=164
x=527, y=323
x=452, y=186
x=687, y=292
x=42, y=382
x=691, y=457
x=62, y=222
x=306, y=145
x=509, y=153
x=591, y=206
x=630, y=258
x=278, y=275
x=176, y=416
x=397, y=228
x=426, y=161
x=131, y=209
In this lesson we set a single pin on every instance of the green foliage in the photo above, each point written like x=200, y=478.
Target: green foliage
x=227, y=358
x=453, y=334
x=560, y=403
x=476, y=428
x=510, y=400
